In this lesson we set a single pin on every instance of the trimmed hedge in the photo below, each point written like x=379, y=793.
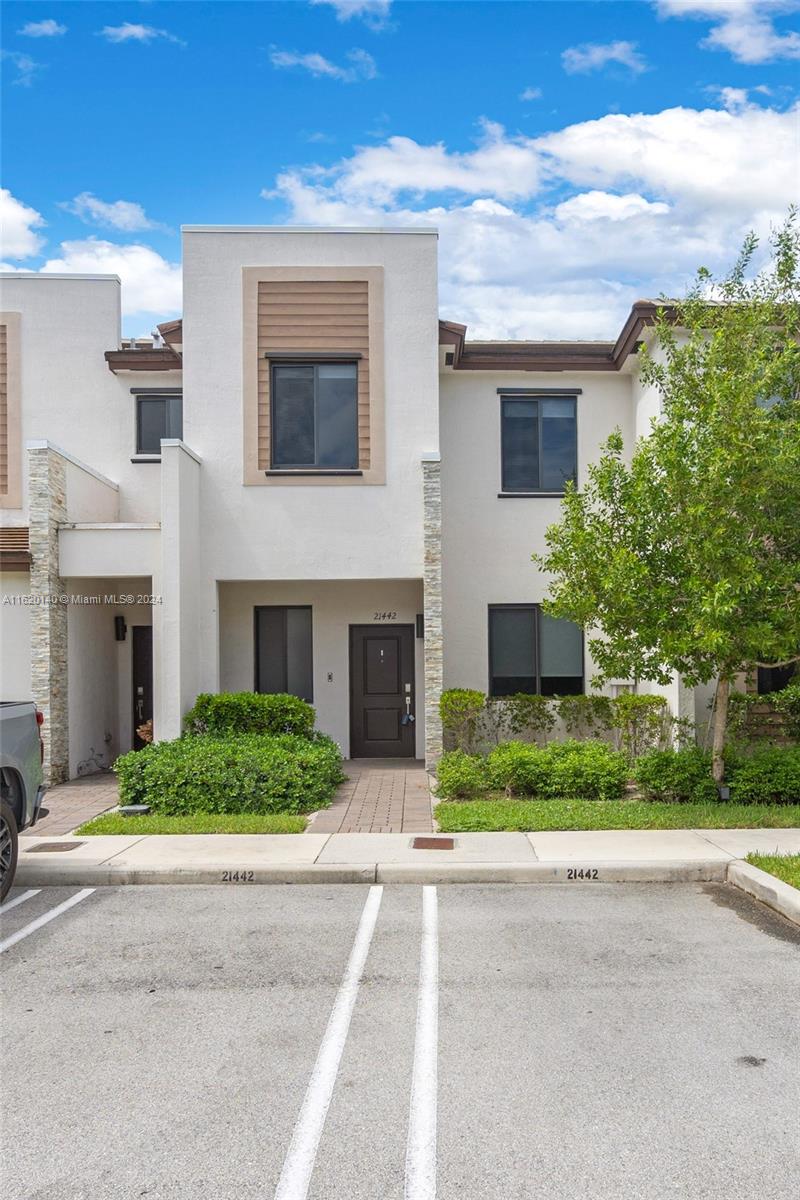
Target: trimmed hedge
x=249, y=712
x=676, y=776
x=585, y=770
x=247, y=773
x=769, y=777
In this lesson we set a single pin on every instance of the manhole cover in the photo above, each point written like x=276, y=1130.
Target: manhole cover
x=53, y=847
x=432, y=843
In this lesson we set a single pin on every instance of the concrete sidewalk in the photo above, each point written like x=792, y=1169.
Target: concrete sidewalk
x=608, y=856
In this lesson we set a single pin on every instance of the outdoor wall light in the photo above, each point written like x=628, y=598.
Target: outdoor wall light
x=120, y=629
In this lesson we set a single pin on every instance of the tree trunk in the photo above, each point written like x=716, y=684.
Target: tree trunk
x=720, y=727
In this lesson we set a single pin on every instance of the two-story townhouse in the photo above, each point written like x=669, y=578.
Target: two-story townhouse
x=308, y=484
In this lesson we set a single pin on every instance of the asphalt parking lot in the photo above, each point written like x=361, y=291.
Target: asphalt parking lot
x=466, y=1042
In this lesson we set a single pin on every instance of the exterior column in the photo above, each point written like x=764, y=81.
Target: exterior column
x=47, y=506
x=432, y=586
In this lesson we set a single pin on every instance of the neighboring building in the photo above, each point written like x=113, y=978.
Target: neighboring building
x=309, y=484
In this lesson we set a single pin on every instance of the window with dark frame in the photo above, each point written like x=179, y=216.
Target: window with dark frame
x=533, y=653
x=283, y=650
x=314, y=410
x=157, y=417
x=539, y=443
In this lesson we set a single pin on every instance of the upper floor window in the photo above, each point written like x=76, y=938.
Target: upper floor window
x=539, y=443
x=157, y=417
x=315, y=416
x=533, y=653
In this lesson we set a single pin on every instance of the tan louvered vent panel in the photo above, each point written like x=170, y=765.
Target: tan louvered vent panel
x=313, y=316
x=14, y=539
x=4, y=410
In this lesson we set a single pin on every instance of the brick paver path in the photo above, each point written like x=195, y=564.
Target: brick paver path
x=380, y=795
x=70, y=804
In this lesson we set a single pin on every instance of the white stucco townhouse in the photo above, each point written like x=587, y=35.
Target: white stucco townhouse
x=307, y=484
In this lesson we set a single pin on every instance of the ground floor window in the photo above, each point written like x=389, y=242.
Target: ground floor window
x=531, y=652
x=775, y=679
x=283, y=650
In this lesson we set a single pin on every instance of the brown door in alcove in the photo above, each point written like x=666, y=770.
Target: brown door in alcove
x=381, y=691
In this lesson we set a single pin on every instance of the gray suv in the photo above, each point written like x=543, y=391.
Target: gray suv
x=21, y=788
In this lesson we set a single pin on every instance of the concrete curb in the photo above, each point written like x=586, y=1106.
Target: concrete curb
x=39, y=874
x=762, y=886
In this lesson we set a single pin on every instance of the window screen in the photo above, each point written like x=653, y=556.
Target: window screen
x=539, y=443
x=157, y=417
x=283, y=651
x=315, y=416
x=531, y=652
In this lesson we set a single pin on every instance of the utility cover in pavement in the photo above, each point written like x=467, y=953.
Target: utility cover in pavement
x=53, y=847
x=432, y=843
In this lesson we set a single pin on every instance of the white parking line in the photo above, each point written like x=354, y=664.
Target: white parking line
x=44, y=919
x=421, y=1147
x=299, y=1165
x=9, y=904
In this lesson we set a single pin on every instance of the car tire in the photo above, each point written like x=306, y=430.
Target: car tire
x=9, y=848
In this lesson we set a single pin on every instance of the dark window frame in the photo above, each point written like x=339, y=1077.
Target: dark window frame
x=536, y=610
x=283, y=608
x=173, y=406
x=515, y=396
x=315, y=363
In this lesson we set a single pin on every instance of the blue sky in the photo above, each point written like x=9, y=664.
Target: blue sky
x=574, y=155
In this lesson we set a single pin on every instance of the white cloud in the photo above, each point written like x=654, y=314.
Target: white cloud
x=27, y=68
x=555, y=236
x=40, y=29
x=362, y=65
x=374, y=13
x=18, y=225
x=744, y=28
x=592, y=56
x=128, y=32
x=150, y=284
x=117, y=214
x=531, y=93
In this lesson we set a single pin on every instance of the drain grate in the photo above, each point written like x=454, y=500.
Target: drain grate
x=432, y=843
x=54, y=847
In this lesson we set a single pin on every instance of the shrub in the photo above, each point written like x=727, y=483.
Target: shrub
x=676, y=776
x=642, y=722
x=460, y=775
x=584, y=770
x=249, y=712
x=519, y=768
x=250, y=773
x=771, y=776
x=460, y=710
x=585, y=716
x=587, y=770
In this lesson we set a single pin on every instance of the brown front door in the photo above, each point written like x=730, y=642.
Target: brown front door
x=381, y=691
x=142, y=679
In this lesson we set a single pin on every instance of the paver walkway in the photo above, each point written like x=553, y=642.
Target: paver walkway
x=70, y=804
x=386, y=795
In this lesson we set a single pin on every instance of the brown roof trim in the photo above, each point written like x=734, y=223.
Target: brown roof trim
x=172, y=332
x=162, y=359
x=552, y=356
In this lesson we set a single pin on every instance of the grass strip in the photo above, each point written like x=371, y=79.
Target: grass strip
x=114, y=822
x=782, y=866
x=529, y=816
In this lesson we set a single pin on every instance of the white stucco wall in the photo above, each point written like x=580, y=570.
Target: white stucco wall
x=487, y=542
x=69, y=396
x=335, y=606
x=15, y=636
x=314, y=532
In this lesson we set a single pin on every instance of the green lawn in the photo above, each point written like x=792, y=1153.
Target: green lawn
x=114, y=822
x=784, y=866
x=500, y=813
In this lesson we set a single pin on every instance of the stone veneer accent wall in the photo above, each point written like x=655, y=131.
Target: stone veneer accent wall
x=47, y=510
x=432, y=493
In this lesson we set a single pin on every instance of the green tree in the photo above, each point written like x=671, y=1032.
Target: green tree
x=687, y=557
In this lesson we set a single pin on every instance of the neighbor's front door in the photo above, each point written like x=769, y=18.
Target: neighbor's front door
x=381, y=691
x=142, y=679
